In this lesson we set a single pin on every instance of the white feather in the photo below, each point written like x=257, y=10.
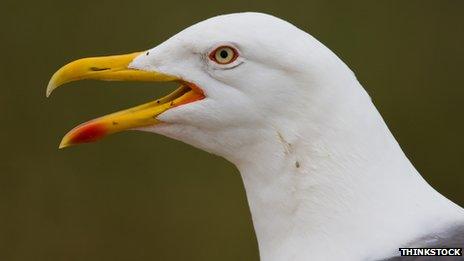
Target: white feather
x=325, y=178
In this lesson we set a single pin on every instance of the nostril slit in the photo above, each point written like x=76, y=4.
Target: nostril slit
x=147, y=53
x=96, y=69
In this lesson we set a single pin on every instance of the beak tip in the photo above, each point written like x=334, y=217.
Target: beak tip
x=50, y=87
x=65, y=142
x=62, y=145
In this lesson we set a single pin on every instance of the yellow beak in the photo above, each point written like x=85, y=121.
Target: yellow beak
x=116, y=68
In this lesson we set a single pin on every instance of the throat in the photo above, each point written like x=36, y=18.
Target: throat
x=307, y=196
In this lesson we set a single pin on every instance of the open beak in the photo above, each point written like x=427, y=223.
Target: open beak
x=117, y=68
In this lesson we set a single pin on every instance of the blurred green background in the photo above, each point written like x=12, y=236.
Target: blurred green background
x=139, y=196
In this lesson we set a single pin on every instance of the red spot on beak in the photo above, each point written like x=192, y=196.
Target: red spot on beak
x=88, y=132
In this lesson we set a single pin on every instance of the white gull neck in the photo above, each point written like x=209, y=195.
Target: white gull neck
x=340, y=190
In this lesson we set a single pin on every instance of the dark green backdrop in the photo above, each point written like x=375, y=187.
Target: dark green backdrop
x=139, y=196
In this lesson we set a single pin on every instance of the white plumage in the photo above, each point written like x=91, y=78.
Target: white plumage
x=325, y=178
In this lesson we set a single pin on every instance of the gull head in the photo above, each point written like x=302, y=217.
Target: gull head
x=239, y=75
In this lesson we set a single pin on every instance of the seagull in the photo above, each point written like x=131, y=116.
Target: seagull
x=324, y=177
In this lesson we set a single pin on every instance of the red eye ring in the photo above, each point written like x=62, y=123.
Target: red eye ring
x=224, y=55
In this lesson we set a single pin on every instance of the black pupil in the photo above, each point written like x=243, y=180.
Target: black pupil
x=224, y=54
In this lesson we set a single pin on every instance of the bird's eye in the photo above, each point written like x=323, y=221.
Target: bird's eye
x=224, y=55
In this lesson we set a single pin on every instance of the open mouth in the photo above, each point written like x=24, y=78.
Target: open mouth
x=117, y=68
